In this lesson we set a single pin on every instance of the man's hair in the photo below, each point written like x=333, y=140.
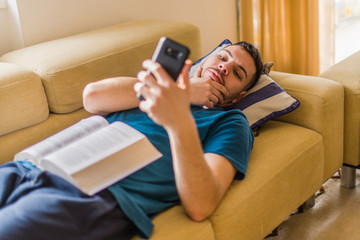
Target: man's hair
x=255, y=54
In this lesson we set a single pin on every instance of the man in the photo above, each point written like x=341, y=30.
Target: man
x=203, y=149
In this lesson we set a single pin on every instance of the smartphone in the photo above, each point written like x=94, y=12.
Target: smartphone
x=171, y=55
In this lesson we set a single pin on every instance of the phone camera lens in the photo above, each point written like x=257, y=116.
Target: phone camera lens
x=180, y=55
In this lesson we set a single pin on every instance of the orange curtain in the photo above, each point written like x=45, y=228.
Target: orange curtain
x=285, y=31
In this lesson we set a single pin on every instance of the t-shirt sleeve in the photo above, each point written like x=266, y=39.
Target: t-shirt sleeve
x=232, y=138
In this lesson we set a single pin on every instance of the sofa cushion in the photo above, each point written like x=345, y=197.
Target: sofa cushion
x=285, y=167
x=22, y=98
x=173, y=223
x=14, y=142
x=265, y=101
x=66, y=65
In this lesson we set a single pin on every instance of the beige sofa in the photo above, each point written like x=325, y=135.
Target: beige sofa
x=40, y=94
x=347, y=72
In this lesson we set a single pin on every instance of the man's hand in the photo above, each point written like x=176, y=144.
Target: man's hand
x=166, y=102
x=206, y=92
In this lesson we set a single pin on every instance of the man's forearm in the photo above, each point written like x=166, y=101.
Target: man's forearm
x=110, y=95
x=199, y=188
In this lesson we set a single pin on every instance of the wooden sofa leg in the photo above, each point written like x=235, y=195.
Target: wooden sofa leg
x=348, y=177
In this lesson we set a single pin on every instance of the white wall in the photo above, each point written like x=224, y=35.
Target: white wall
x=43, y=20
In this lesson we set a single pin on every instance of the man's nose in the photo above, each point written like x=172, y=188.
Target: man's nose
x=224, y=68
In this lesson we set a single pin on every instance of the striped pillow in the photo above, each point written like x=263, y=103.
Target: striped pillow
x=263, y=102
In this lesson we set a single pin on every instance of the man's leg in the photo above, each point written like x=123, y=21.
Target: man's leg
x=11, y=175
x=43, y=206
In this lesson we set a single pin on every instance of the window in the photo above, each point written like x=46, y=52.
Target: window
x=347, y=28
x=2, y=4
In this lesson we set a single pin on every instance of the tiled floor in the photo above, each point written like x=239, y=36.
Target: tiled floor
x=335, y=216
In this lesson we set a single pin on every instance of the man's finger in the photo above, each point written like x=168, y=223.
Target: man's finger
x=147, y=78
x=158, y=71
x=220, y=90
x=184, y=75
x=198, y=72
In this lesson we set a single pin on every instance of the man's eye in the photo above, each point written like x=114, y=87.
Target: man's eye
x=237, y=75
x=221, y=57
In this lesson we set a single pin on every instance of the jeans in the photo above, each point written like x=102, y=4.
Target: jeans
x=36, y=204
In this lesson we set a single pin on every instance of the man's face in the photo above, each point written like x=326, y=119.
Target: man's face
x=233, y=67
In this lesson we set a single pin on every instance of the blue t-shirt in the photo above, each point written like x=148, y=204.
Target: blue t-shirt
x=152, y=189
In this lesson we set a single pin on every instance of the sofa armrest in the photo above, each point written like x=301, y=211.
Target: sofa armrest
x=347, y=72
x=321, y=109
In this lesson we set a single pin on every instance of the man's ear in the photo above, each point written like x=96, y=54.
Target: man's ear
x=239, y=97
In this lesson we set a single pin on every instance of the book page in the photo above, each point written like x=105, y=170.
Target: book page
x=57, y=141
x=93, y=148
x=116, y=167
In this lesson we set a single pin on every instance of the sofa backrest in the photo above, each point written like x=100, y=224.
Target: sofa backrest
x=67, y=65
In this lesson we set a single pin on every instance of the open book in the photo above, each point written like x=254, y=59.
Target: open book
x=92, y=154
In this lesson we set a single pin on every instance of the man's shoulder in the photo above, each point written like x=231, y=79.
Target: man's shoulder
x=217, y=117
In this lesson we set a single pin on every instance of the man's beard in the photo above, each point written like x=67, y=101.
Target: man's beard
x=227, y=101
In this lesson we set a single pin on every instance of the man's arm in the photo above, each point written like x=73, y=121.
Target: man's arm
x=201, y=179
x=116, y=94
x=110, y=95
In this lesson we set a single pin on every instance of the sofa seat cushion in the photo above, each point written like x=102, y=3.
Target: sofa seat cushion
x=14, y=142
x=285, y=167
x=174, y=224
x=22, y=98
x=66, y=65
